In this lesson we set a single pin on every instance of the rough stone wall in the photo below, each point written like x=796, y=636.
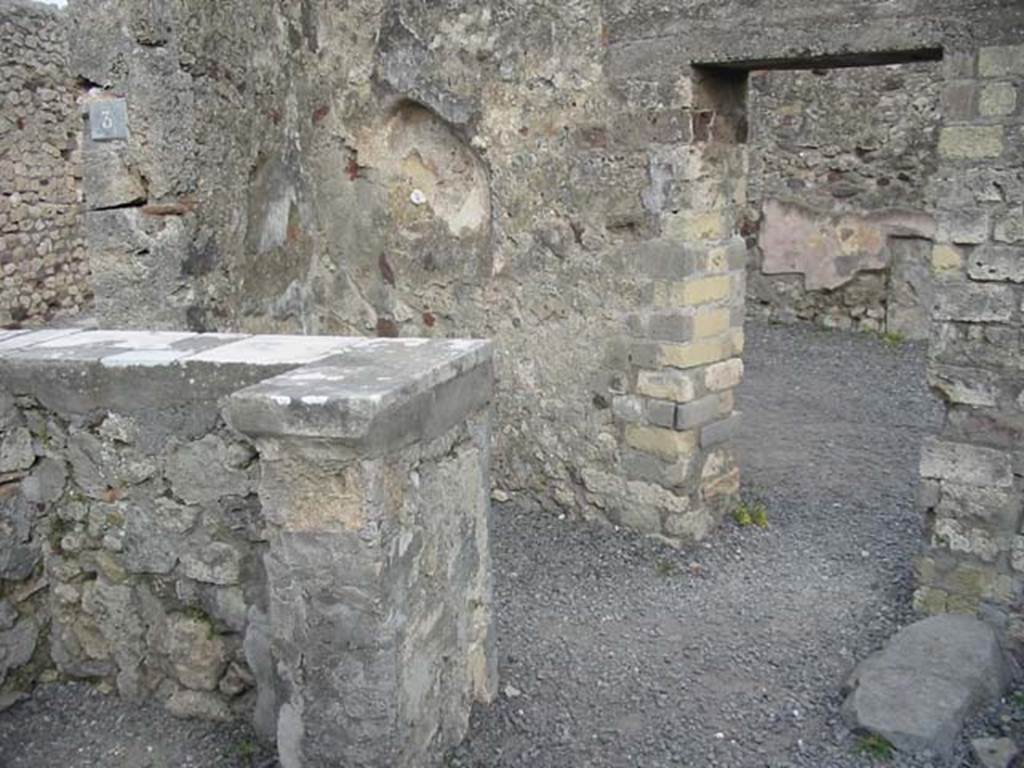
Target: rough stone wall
x=549, y=175
x=844, y=149
x=42, y=251
x=972, y=490
x=143, y=541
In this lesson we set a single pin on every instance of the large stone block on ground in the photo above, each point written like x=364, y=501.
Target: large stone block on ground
x=916, y=692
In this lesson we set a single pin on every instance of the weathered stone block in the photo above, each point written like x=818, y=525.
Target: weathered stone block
x=724, y=375
x=965, y=386
x=1001, y=61
x=966, y=464
x=629, y=408
x=668, y=444
x=973, y=302
x=696, y=354
x=917, y=691
x=971, y=142
x=667, y=385
x=643, y=466
x=197, y=654
x=997, y=263
x=1010, y=228
x=661, y=413
x=998, y=100
x=964, y=227
x=698, y=413
x=996, y=508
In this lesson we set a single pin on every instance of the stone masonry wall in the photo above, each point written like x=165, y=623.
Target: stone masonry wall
x=972, y=490
x=321, y=565
x=43, y=266
x=558, y=177
x=844, y=149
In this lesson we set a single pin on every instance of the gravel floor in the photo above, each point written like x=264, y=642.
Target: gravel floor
x=618, y=652
x=615, y=651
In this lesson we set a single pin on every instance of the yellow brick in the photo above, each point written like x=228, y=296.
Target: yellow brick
x=698, y=225
x=692, y=293
x=666, y=443
x=705, y=290
x=946, y=258
x=971, y=142
x=697, y=353
x=712, y=323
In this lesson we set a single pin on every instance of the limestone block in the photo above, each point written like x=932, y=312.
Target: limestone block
x=998, y=100
x=997, y=263
x=668, y=444
x=698, y=353
x=196, y=653
x=698, y=413
x=973, y=302
x=966, y=464
x=189, y=471
x=1001, y=61
x=971, y=142
x=964, y=227
x=917, y=691
x=724, y=375
x=668, y=385
x=1010, y=228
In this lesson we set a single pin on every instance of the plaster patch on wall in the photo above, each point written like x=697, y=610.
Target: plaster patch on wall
x=829, y=250
x=429, y=168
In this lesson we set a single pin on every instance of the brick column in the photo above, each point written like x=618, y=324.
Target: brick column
x=971, y=488
x=685, y=345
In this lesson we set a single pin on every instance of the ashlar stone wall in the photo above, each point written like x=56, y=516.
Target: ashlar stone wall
x=43, y=266
x=286, y=529
x=840, y=216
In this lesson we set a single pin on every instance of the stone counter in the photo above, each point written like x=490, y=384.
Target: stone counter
x=293, y=529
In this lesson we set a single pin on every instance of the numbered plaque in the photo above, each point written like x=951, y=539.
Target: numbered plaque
x=108, y=120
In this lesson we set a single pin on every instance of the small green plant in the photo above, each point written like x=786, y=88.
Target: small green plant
x=875, y=747
x=246, y=751
x=1017, y=699
x=893, y=338
x=751, y=513
x=666, y=568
